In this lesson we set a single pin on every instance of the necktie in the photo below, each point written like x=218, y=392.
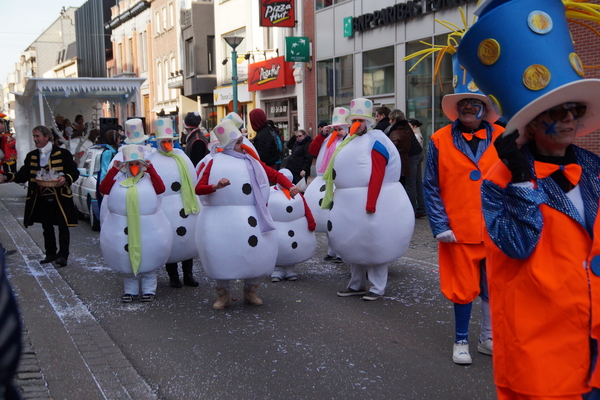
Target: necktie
x=481, y=134
x=571, y=171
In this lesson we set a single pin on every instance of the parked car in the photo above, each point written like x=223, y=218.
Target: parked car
x=84, y=188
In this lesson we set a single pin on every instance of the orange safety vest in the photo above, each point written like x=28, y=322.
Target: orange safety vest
x=543, y=307
x=460, y=181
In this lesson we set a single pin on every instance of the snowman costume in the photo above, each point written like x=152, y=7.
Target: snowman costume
x=179, y=202
x=323, y=147
x=134, y=134
x=242, y=243
x=295, y=230
x=136, y=248
x=371, y=219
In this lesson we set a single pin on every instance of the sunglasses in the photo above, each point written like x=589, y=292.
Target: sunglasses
x=299, y=136
x=474, y=102
x=559, y=113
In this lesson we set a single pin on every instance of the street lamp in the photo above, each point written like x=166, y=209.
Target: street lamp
x=233, y=42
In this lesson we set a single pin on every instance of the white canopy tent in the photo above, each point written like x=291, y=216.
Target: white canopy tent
x=43, y=99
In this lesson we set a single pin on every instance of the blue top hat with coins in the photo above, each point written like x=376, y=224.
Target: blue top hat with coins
x=521, y=55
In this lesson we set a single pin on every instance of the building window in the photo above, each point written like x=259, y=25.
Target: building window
x=323, y=4
x=157, y=23
x=210, y=56
x=324, y=90
x=171, y=16
x=172, y=92
x=143, y=53
x=119, y=58
x=344, y=81
x=189, y=58
x=335, y=85
x=164, y=19
x=131, y=56
x=378, y=71
x=159, y=89
x=165, y=86
x=423, y=99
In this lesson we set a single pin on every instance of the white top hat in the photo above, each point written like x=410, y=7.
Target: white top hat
x=235, y=118
x=134, y=131
x=361, y=109
x=163, y=128
x=339, y=115
x=133, y=152
x=226, y=132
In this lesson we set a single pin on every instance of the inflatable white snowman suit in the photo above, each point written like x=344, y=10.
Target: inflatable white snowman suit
x=134, y=134
x=154, y=231
x=296, y=242
x=316, y=190
x=362, y=238
x=179, y=201
x=234, y=239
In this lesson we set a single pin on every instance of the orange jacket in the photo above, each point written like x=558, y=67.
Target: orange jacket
x=544, y=306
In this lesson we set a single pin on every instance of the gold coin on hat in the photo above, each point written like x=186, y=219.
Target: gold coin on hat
x=488, y=51
x=576, y=64
x=536, y=77
x=495, y=104
x=539, y=22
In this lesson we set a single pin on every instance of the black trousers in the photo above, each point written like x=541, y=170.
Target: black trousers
x=64, y=238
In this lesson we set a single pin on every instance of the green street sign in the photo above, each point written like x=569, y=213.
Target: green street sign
x=348, y=31
x=297, y=49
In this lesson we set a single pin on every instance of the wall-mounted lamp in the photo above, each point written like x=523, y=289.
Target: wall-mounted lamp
x=224, y=62
x=247, y=56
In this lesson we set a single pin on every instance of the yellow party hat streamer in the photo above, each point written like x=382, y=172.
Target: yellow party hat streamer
x=454, y=38
x=579, y=9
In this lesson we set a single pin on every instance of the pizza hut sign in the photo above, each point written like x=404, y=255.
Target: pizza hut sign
x=270, y=74
x=277, y=13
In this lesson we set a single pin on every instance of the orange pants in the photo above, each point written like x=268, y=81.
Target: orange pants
x=507, y=394
x=460, y=270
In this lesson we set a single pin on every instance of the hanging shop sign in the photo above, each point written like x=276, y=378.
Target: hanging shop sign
x=396, y=13
x=278, y=13
x=224, y=95
x=270, y=74
x=297, y=49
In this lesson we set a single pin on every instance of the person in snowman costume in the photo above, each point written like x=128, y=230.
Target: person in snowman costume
x=295, y=230
x=137, y=237
x=179, y=202
x=239, y=123
x=371, y=219
x=243, y=242
x=322, y=147
x=134, y=134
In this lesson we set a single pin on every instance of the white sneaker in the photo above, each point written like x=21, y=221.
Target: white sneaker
x=460, y=353
x=485, y=347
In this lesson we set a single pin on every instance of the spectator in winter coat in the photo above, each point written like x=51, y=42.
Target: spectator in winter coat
x=264, y=141
x=300, y=160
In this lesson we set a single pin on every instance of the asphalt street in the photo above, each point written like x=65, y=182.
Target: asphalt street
x=303, y=343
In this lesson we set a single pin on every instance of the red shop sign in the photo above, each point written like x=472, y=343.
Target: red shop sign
x=277, y=13
x=270, y=74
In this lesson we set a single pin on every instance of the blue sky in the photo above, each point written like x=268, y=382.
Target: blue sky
x=22, y=22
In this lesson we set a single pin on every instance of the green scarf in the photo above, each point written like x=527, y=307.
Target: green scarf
x=188, y=195
x=134, y=236
x=328, y=175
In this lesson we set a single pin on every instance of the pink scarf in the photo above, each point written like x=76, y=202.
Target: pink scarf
x=328, y=153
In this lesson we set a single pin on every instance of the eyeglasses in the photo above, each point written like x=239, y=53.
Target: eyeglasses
x=559, y=113
x=299, y=136
x=474, y=102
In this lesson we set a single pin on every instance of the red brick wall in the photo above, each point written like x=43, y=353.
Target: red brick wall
x=587, y=46
x=310, y=76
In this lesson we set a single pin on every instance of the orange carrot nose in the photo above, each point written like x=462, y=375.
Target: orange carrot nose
x=354, y=127
x=168, y=145
x=250, y=151
x=134, y=169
